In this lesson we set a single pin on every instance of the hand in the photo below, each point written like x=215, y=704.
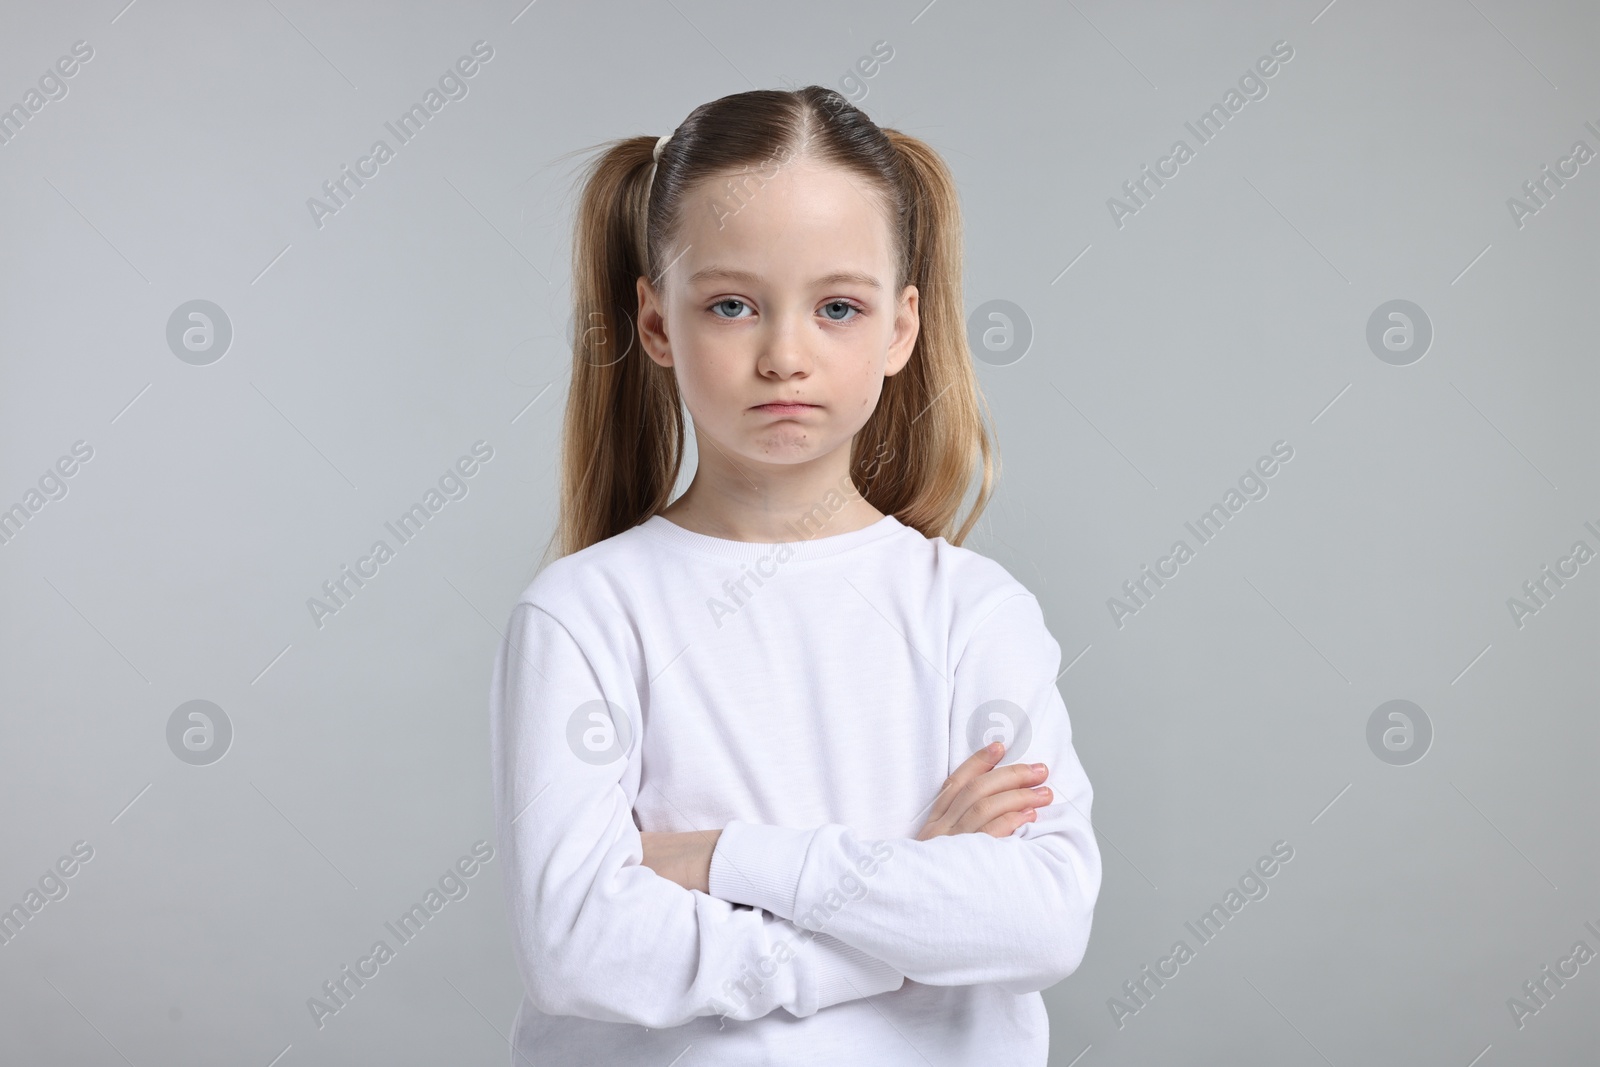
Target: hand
x=683, y=858
x=982, y=797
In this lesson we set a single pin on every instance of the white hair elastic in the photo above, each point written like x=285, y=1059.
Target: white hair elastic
x=655, y=161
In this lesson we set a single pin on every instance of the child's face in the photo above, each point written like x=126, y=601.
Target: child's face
x=780, y=329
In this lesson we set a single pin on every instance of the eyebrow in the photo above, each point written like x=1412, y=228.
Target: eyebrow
x=751, y=278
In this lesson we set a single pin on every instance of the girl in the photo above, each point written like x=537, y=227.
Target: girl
x=747, y=743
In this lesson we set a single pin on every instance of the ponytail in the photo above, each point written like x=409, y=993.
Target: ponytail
x=622, y=437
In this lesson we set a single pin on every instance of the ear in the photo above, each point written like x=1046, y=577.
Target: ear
x=652, y=323
x=907, y=325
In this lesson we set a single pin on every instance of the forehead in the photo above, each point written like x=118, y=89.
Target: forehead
x=795, y=221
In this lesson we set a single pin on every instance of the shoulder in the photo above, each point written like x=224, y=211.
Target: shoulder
x=981, y=597
x=585, y=581
x=975, y=583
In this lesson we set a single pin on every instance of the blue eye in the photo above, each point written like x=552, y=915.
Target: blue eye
x=833, y=310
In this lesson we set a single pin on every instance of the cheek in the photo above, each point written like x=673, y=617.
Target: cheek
x=705, y=378
x=866, y=381
x=864, y=370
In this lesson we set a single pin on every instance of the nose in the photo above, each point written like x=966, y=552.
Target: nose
x=784, y=352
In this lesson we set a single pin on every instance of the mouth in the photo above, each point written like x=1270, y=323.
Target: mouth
x=786, y=409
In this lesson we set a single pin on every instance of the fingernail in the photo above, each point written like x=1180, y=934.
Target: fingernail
x=1039, y=767
x=993, y=749
x=1042, y=790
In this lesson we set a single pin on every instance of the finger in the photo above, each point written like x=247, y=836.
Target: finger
x=1012, y=800
x=1007, y=824
x=975, y=765
x=994, y=782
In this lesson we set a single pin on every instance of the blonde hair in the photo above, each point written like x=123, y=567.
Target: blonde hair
x=623, y=434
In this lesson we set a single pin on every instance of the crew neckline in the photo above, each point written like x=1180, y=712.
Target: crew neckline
x=722, y=548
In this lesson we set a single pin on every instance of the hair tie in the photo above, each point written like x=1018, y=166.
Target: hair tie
x=655, y=162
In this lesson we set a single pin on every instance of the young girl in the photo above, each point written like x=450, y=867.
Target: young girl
x=747, y=743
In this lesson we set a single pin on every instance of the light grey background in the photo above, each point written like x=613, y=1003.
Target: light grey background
x=369, y=354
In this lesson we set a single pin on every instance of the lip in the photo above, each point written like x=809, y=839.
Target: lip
x=786, y=409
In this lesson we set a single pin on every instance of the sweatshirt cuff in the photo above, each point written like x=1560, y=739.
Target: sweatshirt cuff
x=844, y=972
x=759, y=865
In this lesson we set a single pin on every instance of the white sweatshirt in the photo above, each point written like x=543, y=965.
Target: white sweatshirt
x=809, y=700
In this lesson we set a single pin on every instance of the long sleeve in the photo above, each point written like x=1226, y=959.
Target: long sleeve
x=958, y=909
x=595, y=933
